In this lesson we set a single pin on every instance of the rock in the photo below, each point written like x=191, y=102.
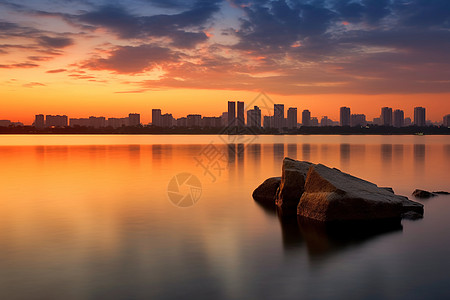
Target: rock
x=292, y=184
x=266, y=191
x=441, y=193
x=331, y=195
x=389, y=189
x=422, y=194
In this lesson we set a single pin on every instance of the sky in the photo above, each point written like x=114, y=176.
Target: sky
x=111, y=58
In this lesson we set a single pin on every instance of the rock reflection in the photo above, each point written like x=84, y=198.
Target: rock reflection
x=325, y=239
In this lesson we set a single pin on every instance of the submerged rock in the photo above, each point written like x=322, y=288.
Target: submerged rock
x=331, y=195
x=441, y=193
x=266, y=191
x=292, y=184
x=423, y=194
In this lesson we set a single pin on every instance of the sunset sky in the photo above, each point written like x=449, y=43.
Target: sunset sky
x=110, y=58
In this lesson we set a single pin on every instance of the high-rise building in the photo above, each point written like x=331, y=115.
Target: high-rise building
x=39, y=121
x=325, y=121
x=306, y=118
x=399, y=118
x=117, y=122
x=194, y=120
x=278, y=116
x=156, y=117
x=240, y=114
x=224, y=121
x=345, y=116
x=358, y=120
x=97, y=122
x=419, y=116
x=292, y=118
x=56, y=121
x=231, y=114
x=134, y=119
x=182, y=122
x=268, y=122
x=314, y=121
x=167, y=120
x=386, y=116
x=254, y=117
x=446, y=121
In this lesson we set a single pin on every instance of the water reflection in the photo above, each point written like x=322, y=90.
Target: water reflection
x=386, y=155
x=345, y=154
x=278, y=152
x=419, y=158
x=292, y=150
x=306, y=152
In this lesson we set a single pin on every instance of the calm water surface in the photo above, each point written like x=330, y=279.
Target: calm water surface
x=89, y=217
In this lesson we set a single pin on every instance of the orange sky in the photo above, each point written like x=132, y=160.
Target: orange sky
x=99, y=60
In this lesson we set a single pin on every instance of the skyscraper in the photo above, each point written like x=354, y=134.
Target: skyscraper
x=39, y=121
x=386, y=116
x=231, y=113
x=240, y=114
x=446, y=121
x=156, y=117
x=292, y=118
x=419, y=116
x=345, y=116
x=278, y=115
x=254, y=117
x=134, y=119
x=306, y=118
x=399, y=118
x=358, y=120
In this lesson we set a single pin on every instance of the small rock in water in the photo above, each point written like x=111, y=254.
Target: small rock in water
x=423, y=194
x=441, y=193
x=266, y=191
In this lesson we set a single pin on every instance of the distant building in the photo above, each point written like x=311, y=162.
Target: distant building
x=278, y=116
x=5, y=123
x=408, y=121
x=240, y=114
x=167, y=120
x=268, y=122
x=231, y=114
x=314, y=122
x=134, y=120
x=292, y=118
x=56, y=121
x=345, y=116
x=194, y=121
x=325, y=121
x=376, y=121
x=399, y=118
x=117, y=122
x=419, y=116
x=224, y=118
x=156, y=117
x=182, y=122
x=39, y=121
x=357, y=120
x=306, y=118
x=446, y=121
x=386, y=116
x=211, y=122
x=254, y=117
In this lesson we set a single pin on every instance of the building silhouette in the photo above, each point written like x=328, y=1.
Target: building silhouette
x=386, y=116
x=399, y=118
x=194, y=120
x=419, y=116
x=344, y=114
x=56, y=121
x=278, y=116
x=231, y=114
x=292, y=118
x=240, y=114
x=254, y=117
x=39, y=121
x=446, y=121
x=357, y=120
x=156, y=117
x=306, y=118
x=134, y=119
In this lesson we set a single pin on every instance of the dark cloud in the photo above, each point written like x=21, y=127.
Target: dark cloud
x=55, y=42
x=56, y=71
x=185, y=29
x=130, y=59
x=25, y=65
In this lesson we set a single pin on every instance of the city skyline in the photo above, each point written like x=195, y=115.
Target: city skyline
x=101, y=57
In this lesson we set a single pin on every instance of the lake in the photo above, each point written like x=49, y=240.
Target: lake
x=108, y=217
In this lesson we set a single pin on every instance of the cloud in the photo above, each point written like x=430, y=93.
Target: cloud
x=56, y=71
x=25, y=65
x=55, y=42
x=132, y=59
x=33, y=84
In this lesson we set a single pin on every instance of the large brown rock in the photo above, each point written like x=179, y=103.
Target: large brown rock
x=265, y=193
x=292, y=184
x=331, y=195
